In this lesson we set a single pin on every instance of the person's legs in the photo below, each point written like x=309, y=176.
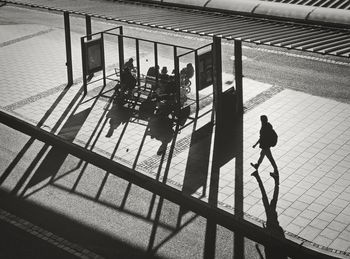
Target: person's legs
x=261, y=158
x=162, y=148
x=272, y=161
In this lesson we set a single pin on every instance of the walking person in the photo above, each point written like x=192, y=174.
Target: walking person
x=268, y=139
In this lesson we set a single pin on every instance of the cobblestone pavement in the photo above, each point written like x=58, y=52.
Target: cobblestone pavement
x=313, y=150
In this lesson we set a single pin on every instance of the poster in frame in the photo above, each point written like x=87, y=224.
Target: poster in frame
x=94, y=55
x=205, y=68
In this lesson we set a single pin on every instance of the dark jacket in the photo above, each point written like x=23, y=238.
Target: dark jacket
x=265, y=135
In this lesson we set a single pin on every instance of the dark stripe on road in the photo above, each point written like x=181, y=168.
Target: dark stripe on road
x=6, y=43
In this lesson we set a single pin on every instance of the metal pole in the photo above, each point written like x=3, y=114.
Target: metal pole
x=88, y=26
x=138, y=60
x=68, y=49
x=121, y=50
x=217, y=79
x=210, y=237
x=217, y=83
x=196, y=65
x=83, y=57
x=156, y=59
x=88, y=34
x=239, y=75
x=177, y=81
x=103, y=59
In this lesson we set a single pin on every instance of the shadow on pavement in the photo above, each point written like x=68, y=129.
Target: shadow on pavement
x=228, y=145
x=118, y=115
x=25, y=148
x=160, y=128
x=68, y=132
x=197, y=167
x=272, y=224
x=55, y=157
x=19, y=242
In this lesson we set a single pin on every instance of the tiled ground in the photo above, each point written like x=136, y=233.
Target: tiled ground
x=313, y=152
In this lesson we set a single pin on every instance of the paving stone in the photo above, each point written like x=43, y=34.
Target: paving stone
x=335, y=210
x=321, y=240
x=291, y=212
x=309, y=233
x=340, y=244
x=346, y=210
x=294, y=228
x=301, y=221
x=285, y=220
x=329, y=233
x=299, y=205
x=306, y=198
x=337, y=226
x=309, y=214
x=342, y=218
x=318, y=223
x=341, y=201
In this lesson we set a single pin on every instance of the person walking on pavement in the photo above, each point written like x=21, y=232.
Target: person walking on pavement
x=268, y=139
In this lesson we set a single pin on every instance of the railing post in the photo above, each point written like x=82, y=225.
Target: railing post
x=68, y=49
x=239, y=75
x=88, y=26
x=138, y=61
x=121, y=50
x=83, y=57
x=156, y=60
x=217, y=80
x=196, y=62
x=177, y=80
x=103, y=59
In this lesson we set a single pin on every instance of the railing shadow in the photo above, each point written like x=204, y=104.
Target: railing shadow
x=29, y=143
x=52, y=162
x=161, y=129
x=158, y=128
x=64, y=232
x=55, y=157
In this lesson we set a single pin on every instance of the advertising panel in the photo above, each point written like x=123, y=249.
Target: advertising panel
x=205, y=70
x=94, y=56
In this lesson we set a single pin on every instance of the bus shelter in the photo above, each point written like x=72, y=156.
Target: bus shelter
x=175, y=77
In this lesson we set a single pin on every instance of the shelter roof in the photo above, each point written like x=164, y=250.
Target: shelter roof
x=293, y=33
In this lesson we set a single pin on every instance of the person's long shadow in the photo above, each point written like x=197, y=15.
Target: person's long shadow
x=272, y=225
x=117, y=115
x=161, y=128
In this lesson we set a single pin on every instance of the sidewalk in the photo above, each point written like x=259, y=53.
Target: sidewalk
x=313, y=150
